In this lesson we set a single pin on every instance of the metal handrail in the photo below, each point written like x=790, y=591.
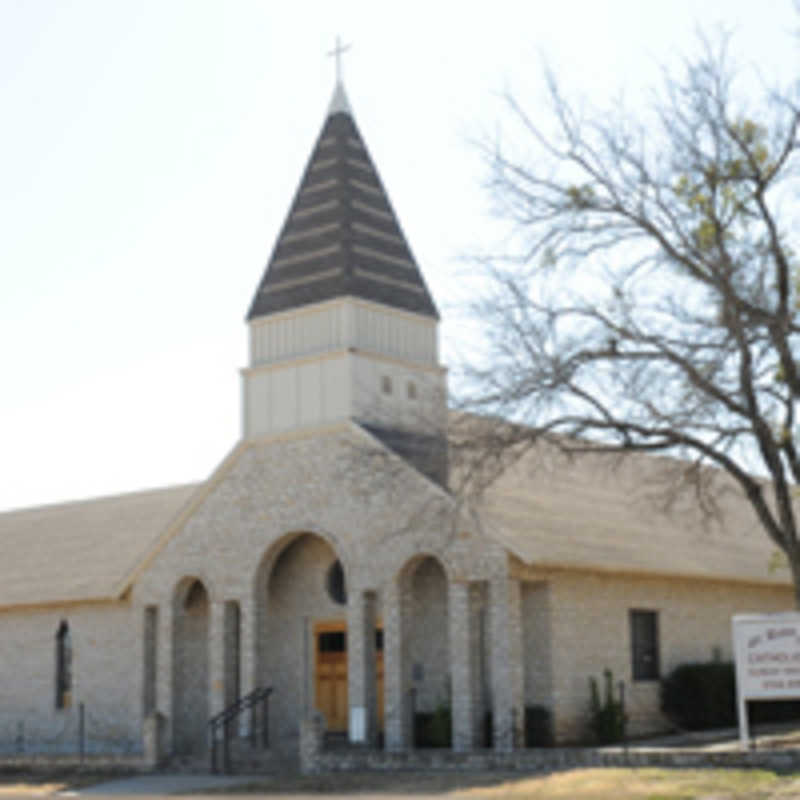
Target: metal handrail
x=252, y=701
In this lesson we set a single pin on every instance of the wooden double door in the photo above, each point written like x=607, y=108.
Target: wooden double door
x=330, y=674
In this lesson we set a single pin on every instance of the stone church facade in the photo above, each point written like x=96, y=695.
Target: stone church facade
x=326, y=558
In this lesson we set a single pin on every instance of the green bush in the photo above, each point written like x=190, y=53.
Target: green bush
x=488, y=729
x=440, y=727
x=608, y=716
x=538, y=727
x=433, y=728
x=701, y=696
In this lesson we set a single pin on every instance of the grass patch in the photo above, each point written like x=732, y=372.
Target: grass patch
x=647, y=783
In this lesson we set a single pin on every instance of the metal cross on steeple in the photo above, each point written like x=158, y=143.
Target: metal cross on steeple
x=337, y=54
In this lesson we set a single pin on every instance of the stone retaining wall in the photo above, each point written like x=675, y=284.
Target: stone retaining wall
x=543, y=760
x=50, y=763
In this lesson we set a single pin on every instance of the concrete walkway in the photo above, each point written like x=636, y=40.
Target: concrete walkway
x=160, y=783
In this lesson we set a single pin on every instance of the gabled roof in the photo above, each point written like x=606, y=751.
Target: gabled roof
x=341, y=236
x=603, y=513
x=82, y=550
x=586, y=514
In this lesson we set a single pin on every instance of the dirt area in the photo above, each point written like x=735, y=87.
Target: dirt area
x=19, y=784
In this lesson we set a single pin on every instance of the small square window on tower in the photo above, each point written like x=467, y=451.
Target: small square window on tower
x=411, y=390
x=386, y=384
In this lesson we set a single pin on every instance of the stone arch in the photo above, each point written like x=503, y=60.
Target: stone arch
x=277, y=547
x=190, y=608
x=423, y=588
x=291, y=601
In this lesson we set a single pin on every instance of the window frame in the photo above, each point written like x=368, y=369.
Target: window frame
x=645, y=645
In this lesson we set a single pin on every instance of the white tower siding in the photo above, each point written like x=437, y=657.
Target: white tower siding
x=331, y=361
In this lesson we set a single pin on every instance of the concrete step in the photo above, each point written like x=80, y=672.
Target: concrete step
x=245, y=758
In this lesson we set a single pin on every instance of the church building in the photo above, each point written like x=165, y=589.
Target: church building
x=327, y=560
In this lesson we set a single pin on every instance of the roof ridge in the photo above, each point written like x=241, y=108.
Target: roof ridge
x=99, y=498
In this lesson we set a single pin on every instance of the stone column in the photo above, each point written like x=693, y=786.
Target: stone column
x=361, y=690
x=478, y=627
x=506, y=658
x=165, y=636
x=216, y=657
x=461, y=666
x=248, y=644
x=396, y=710
x=138, y=678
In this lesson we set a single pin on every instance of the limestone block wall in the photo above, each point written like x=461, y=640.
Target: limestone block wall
x=374, y=512
x=590, y=631
x=106, y=678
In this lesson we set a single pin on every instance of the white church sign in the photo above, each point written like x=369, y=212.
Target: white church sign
x=766, y=649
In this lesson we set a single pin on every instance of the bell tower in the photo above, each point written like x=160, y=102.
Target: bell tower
x=342, y=325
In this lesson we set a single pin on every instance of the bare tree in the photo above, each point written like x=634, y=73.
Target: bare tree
x=650, y=301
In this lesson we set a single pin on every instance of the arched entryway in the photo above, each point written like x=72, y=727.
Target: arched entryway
x=424, y=585
x=302, y=634
x=190, y=666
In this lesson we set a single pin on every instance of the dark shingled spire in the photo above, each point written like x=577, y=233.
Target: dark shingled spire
x=341, y=236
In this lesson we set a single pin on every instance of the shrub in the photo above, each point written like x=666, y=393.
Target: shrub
x=608, y=716
x=433, y=728
x=538, y=727
x=698, y=696
x=488, y=729
x=440, y=727
x=701, y=696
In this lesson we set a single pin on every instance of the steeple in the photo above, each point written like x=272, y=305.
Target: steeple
x=342, y=325
x=341, y=236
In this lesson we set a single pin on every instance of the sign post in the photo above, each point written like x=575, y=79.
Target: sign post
x=766, y=650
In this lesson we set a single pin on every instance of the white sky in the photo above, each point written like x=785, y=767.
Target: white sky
x=148, y=154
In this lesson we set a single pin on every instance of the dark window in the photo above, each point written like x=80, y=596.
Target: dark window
x=337, y=590
x=411, y=389
x=332, y=642
x=196, y=598
x=644, y=645
x=150, y=650
x=63, y=666
x=386, y=384
x=379, y=640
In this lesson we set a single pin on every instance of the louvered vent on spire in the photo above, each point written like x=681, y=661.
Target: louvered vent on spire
x=341, y=236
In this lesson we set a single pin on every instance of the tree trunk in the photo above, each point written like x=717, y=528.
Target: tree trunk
x=794, y=564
